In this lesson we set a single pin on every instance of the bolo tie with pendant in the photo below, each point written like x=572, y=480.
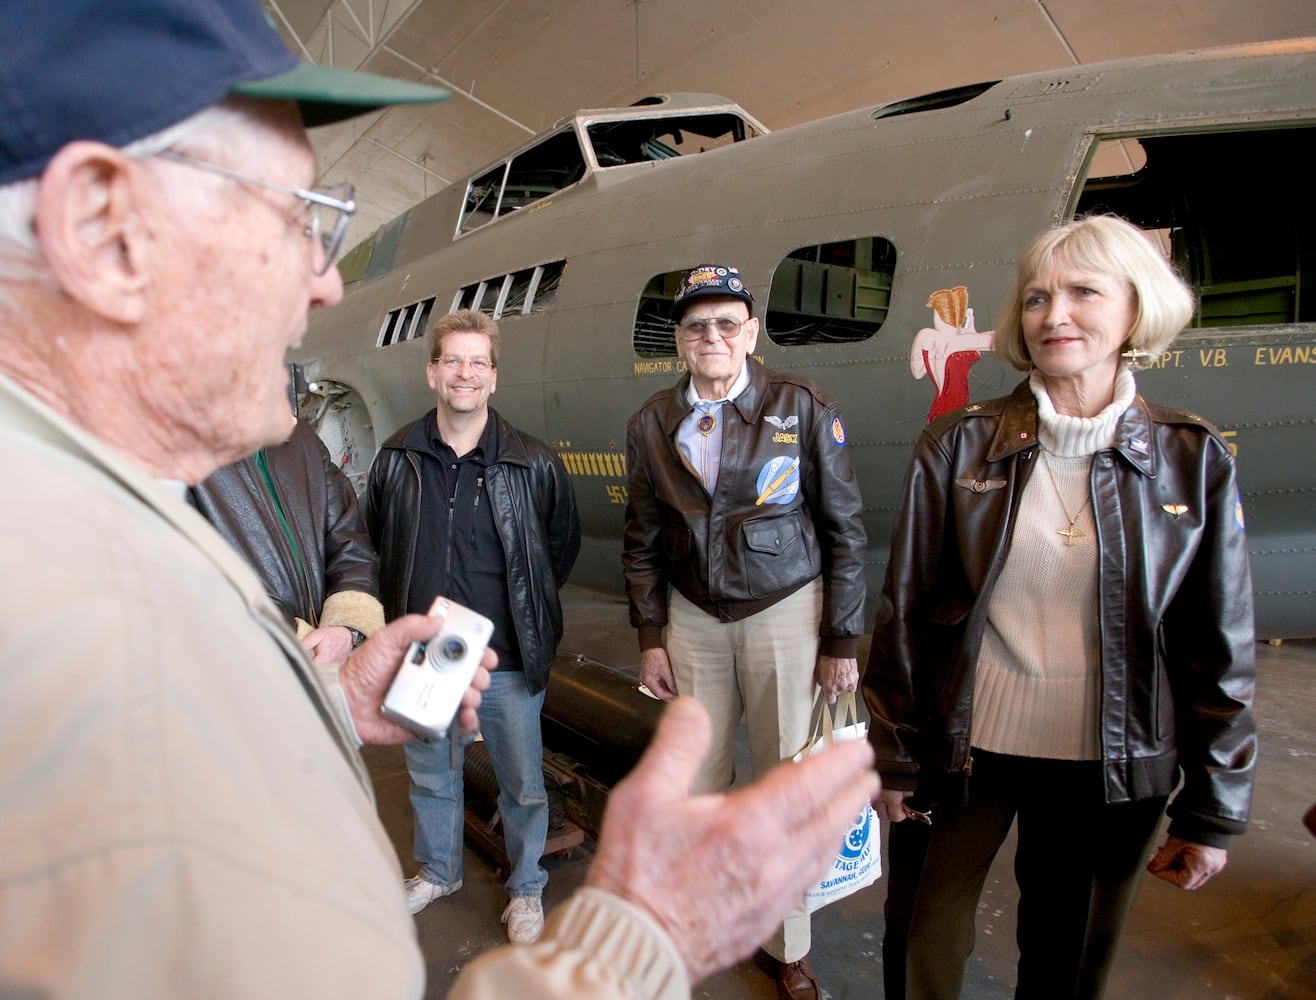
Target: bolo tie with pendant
x=705, y=425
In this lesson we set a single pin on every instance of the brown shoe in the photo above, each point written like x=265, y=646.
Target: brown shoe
x=795, y=981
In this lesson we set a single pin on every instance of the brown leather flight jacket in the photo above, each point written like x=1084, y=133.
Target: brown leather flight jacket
x=1175, y=617
x=324, y=548
x=732, y=554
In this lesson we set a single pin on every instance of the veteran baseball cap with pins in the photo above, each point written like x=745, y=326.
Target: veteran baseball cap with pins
x=709, y=279
x=115, y=71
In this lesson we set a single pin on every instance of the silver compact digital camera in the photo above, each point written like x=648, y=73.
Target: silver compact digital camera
x=434, y=675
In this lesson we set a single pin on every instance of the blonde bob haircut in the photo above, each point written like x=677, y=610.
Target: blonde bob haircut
x=1105, y=244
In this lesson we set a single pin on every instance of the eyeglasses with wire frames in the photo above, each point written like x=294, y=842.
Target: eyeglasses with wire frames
x=452, y=363
x=697, y=329
x=328, y=209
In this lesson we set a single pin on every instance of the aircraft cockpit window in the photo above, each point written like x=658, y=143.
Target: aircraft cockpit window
x=829, y=293
x=1234, y=211
x=482, y=199
x=644, y=140
x=542, y=170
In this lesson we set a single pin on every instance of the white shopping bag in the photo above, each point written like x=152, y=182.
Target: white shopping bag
x=858, y=863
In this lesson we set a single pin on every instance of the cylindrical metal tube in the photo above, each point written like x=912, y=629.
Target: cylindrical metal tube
x=596, y=715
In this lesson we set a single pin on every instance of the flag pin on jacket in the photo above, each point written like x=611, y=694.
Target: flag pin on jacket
x=1175, y=508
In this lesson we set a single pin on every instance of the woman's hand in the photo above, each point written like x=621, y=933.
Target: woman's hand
x=1185, y=864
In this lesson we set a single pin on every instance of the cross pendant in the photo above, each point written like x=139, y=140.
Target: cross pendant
x=1070, y=533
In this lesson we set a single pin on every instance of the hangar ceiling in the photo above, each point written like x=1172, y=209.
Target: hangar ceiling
x=517, y=66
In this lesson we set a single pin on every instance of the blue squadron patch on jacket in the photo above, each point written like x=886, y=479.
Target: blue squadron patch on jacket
x=838, y=431
x=1238, y=512
x=779, y=480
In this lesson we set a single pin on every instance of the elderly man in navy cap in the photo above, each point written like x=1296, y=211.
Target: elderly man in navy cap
x=183, y=808
x=744, y=550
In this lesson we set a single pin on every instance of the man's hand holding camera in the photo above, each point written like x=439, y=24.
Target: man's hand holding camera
x=368, y=673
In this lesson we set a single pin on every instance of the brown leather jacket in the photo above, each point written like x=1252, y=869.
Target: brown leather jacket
x=728, y=554
x=333, y=554
x=1176, y=626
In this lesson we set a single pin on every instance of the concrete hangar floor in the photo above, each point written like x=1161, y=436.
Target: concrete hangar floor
x=1248, y=935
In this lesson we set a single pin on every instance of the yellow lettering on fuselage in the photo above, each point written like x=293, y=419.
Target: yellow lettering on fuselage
x=1168, y=359
x=1305, y=355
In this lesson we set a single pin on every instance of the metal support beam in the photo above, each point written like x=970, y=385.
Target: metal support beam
x=342, y=33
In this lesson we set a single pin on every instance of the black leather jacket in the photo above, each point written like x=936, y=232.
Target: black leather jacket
x=728, y=554
x=1175, y=620
x=535, y=513
x=320, y=505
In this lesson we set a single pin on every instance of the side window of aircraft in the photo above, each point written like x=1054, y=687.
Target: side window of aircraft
x=533, y=174
x=828, y=293
x=832, y=293
x=1234, y=211
x=654, y=336
x=406, y=323
x=530, y=290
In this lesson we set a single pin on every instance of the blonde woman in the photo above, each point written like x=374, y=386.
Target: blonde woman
x=1064, y=633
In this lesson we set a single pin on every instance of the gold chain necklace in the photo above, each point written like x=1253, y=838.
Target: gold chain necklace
x=1070, y=532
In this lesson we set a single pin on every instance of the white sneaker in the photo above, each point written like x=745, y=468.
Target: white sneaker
x=524, y=918
x=421, y=892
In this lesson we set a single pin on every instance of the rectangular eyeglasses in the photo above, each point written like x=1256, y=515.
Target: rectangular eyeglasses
x=328, y=209
x=726, y=326
x=452, y=363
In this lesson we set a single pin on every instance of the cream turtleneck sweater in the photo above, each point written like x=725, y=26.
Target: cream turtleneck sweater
x=1038, y=683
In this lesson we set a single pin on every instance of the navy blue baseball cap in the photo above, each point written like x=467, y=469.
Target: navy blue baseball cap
x=709, y=279
x=115, y=71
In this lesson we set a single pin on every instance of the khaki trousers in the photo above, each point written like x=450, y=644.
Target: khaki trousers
x=761, y=667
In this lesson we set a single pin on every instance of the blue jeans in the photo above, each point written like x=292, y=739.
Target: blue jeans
x=509, y=720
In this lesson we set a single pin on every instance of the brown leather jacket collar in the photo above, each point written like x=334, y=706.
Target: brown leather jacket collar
x=1017, y=430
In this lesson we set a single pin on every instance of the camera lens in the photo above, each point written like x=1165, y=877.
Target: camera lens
x=452, y=647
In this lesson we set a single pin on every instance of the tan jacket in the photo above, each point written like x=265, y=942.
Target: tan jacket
x=183, y=811
x=595, y=947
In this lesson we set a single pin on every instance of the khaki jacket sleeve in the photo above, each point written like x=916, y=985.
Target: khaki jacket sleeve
x=596, y=947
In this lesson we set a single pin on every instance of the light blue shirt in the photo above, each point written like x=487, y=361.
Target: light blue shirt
x=700, y=434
